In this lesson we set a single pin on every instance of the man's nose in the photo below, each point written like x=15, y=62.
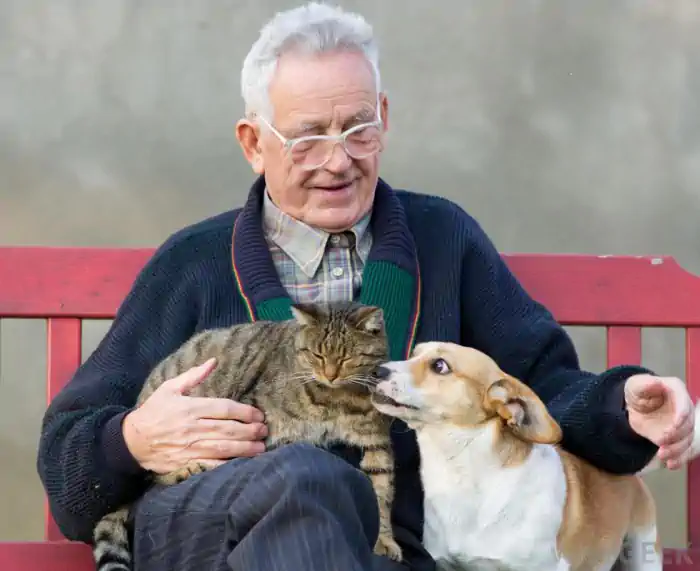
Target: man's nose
x=339, y=160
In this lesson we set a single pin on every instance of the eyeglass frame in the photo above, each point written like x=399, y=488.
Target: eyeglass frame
x=335, y=139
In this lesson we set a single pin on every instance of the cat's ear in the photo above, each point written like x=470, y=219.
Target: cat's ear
x=305, y=313
x=369, y=318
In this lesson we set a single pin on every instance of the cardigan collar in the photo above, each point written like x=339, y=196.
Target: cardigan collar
x=391, y=278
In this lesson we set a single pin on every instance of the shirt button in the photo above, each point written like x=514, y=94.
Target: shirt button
x=335, y=239
x=337, y=272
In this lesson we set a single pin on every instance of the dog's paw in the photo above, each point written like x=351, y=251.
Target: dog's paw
x=388, y=547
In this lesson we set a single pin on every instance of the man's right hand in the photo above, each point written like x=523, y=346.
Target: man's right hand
x=171, y=429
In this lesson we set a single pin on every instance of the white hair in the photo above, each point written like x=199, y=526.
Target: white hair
x=313, y=28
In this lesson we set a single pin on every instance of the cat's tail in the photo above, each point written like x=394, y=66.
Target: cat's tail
x=111, y=542
x=656, y=464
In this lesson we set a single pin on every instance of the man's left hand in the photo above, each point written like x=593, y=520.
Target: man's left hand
x=661, y=410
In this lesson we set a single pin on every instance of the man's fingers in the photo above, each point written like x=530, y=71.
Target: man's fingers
x=224, y=409
x=188, y=380
x=210, y=429
x=681, y=428
x=684, y=412
x=683, y=418
x=676, y=454
x=227, y=449
x=680, y=431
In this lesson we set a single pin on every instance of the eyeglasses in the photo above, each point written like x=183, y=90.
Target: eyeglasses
x=314, y=151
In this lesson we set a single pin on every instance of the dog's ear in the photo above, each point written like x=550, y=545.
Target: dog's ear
x=522, y=410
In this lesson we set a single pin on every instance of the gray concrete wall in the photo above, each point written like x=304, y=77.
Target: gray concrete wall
x=563, y=126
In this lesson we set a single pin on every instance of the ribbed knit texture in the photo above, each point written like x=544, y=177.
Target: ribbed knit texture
x=275, y=309
x=392, y=288
x=467, y=295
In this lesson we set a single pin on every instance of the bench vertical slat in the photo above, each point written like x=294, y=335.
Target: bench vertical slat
x=624, y=345
x=692, y=373
x=63, y=358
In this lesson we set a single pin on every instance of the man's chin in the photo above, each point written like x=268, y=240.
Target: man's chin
x=336, y=199
x=334, y=219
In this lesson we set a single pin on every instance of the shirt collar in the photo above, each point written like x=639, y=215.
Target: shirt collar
x=304, y=244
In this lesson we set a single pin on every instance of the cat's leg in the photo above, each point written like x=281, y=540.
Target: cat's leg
x=378, y=463
x=111, y=550
x=177, y=476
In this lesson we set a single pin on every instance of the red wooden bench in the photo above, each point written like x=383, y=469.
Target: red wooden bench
x=624, y=294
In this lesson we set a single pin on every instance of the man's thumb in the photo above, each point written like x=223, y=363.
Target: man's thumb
x=186, y=381
x=644, y=394
x=650, y=389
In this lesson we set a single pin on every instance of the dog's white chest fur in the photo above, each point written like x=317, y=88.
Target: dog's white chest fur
x=477, y=509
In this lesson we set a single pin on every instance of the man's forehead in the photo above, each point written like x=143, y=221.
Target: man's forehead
x=324, y=115
x=338, y=113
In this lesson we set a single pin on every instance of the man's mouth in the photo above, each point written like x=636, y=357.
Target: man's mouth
x=335, y=187
x=381, y=398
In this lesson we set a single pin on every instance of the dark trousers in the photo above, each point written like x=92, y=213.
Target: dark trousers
x=297, y=508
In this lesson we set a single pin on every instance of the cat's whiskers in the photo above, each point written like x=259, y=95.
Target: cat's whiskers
x=359, y=382
x=364, y=380
x=298, y=377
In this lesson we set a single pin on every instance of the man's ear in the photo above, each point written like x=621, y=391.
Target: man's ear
x=522, y=411
x=248, y=137
x=384, y=107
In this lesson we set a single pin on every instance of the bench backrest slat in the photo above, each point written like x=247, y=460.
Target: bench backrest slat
x=624, y=345
x=692, y=374
x=64, y=342
x=621, y=293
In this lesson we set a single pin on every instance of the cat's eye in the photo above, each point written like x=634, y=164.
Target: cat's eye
x=314, y=354
x=440, y=367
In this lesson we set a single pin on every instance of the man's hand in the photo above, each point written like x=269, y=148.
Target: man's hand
x=661, y=410
x=170, y=429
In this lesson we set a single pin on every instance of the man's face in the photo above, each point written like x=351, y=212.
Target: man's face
x=318, y=95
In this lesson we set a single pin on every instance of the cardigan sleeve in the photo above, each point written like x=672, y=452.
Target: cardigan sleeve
x=83, y=461
x=500, y=318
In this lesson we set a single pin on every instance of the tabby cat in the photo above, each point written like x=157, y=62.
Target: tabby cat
x=311, y=376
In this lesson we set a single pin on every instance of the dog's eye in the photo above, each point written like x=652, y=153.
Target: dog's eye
x=440, y=367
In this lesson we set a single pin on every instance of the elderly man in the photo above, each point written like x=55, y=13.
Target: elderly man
x=319, y=224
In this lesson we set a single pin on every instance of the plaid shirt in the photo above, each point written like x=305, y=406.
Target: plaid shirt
x=313, y=265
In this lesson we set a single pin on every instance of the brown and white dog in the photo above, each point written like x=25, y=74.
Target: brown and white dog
x=497, y=487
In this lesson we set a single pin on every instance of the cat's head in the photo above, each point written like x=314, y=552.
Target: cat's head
x=341, y=344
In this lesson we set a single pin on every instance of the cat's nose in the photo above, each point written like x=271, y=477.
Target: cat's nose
x=381, y=372
x=331, y=372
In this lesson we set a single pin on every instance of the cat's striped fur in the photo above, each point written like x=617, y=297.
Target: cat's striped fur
x=311, y=376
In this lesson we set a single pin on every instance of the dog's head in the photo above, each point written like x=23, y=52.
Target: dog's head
x=444, y=383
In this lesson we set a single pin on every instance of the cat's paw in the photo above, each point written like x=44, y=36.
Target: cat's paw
x=387, y=546
x=172, y=478
x=195, y=468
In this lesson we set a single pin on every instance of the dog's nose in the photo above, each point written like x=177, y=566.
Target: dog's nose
x=382, y=372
